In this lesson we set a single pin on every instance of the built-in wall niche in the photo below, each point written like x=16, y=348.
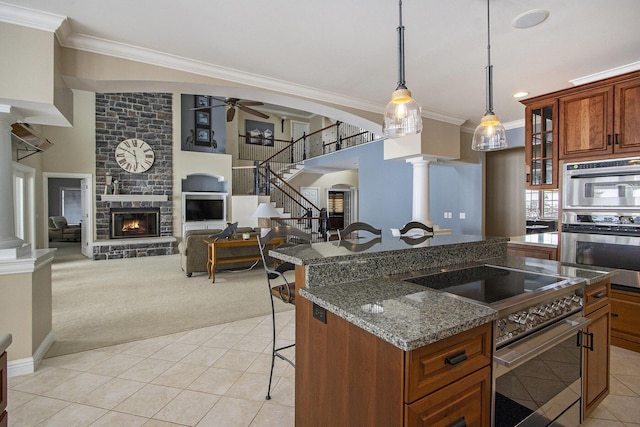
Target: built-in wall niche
x=204, y=202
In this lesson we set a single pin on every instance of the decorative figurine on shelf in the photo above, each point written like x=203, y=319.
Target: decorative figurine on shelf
x=116, y=187
x=108, y=188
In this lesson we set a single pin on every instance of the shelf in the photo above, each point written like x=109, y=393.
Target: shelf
x=133, y=198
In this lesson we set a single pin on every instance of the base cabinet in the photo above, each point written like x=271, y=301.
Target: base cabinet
x=625, y=318
x=3, y=390
x=346, y=376
x=532, y=251
x=597, y=341
x=466, y=402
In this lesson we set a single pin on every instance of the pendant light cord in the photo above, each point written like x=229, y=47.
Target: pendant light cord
x=489, y=68
x=401, y=81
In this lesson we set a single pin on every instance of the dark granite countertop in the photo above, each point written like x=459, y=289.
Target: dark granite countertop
x=410, y=316
x=364, y=285
x=404, y=314
x=334, y=251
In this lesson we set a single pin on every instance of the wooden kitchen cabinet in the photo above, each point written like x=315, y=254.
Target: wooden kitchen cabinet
x=532, y=251
x=625, y=318
x=541, y=145
x=601, y=121
x=594, y=120
x=597, y=341
x=3, y=390
x=346, y=376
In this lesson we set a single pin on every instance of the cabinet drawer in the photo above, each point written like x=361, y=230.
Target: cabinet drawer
x=596, y=296
x=468, y=399
x=434, y=366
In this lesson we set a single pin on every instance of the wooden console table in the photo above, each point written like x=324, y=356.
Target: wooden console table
x=213, y=259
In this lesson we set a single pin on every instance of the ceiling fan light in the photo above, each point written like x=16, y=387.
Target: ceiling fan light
x=490, y=135
x=402, y=115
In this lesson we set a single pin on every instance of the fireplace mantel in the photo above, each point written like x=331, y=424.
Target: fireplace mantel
x=133, y=198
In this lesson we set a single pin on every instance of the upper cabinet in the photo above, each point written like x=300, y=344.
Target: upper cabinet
x=599, y=119
x=587, y=123
x=541, y=146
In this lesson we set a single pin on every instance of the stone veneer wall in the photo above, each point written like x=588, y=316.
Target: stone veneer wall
x=145, y=116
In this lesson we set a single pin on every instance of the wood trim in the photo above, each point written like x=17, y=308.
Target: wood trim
x=587, y=86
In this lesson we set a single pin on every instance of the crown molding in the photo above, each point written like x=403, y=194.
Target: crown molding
x=62, y=29
x=634, y=66
x=153, y=57
x=30, y=18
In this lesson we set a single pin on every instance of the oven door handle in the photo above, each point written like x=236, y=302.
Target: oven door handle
x=526, y=349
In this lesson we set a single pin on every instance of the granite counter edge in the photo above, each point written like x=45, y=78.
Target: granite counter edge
x=388, y=336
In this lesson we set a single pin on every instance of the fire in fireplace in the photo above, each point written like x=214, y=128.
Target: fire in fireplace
x=135, y=222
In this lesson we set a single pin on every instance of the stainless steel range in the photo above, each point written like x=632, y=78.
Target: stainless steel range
x=537, y=369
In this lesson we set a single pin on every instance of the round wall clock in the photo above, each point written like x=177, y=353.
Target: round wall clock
x=134, y=155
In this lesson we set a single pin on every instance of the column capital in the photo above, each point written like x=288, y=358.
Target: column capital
x=421, y=159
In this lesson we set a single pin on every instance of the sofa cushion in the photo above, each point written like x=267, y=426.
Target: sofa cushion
x=57, y=222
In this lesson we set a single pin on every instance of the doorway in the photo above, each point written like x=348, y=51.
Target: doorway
x=341, y=207
x=70, y=195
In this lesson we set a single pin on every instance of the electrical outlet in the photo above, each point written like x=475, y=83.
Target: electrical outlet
x=463, y=215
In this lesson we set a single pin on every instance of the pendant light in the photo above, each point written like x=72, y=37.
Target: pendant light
x=490, y=134
x=402, y=115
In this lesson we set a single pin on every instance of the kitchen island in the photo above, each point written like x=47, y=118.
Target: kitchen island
x=372, y=349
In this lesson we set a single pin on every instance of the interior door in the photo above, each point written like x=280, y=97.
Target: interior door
x=311, y=193
x=85, y=248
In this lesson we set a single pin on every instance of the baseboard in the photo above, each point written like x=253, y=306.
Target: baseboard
x=28, y=365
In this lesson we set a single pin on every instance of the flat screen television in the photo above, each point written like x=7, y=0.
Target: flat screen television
x=204, y=208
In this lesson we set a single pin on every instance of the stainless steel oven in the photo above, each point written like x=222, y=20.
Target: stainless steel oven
x=538, y=379
x=601, y=185
x=604, y=239
x=537, y=367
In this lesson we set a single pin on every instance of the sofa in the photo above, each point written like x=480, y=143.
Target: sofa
x=194, y=251
x=59, y=229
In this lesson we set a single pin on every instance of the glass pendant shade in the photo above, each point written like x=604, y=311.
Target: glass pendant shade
x=402, y=115
x=489, y=135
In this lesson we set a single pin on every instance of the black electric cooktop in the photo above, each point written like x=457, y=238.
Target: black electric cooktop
x=487, y=284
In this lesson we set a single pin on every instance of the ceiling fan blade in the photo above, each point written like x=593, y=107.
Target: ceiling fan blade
x=207, y=107
x=250, y=103
x=252, y=111
x=231, y=112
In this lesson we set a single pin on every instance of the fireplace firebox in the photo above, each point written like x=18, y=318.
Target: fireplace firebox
x=135, y=222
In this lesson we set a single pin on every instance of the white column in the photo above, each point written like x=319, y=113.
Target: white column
x=420, y=208
x=8, y=239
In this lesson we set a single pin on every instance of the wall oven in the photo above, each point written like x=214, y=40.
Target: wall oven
x=605, y=239
x=601, y=185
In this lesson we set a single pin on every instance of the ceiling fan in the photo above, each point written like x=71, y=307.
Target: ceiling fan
x=234, y=103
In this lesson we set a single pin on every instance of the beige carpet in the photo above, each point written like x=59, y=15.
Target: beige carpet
x=102, y=303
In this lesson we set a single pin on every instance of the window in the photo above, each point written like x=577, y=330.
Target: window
x=541, y=204
x=71, y=204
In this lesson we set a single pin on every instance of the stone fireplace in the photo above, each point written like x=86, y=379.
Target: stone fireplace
x=131, y=223
x=137, y=220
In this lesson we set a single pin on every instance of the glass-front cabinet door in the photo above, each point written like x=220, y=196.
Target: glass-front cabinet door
x=541, y=145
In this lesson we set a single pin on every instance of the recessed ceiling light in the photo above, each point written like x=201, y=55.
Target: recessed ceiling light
x=530, y=18
x=520, y=94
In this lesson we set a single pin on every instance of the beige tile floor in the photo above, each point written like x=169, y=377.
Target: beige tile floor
x=215, y=376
